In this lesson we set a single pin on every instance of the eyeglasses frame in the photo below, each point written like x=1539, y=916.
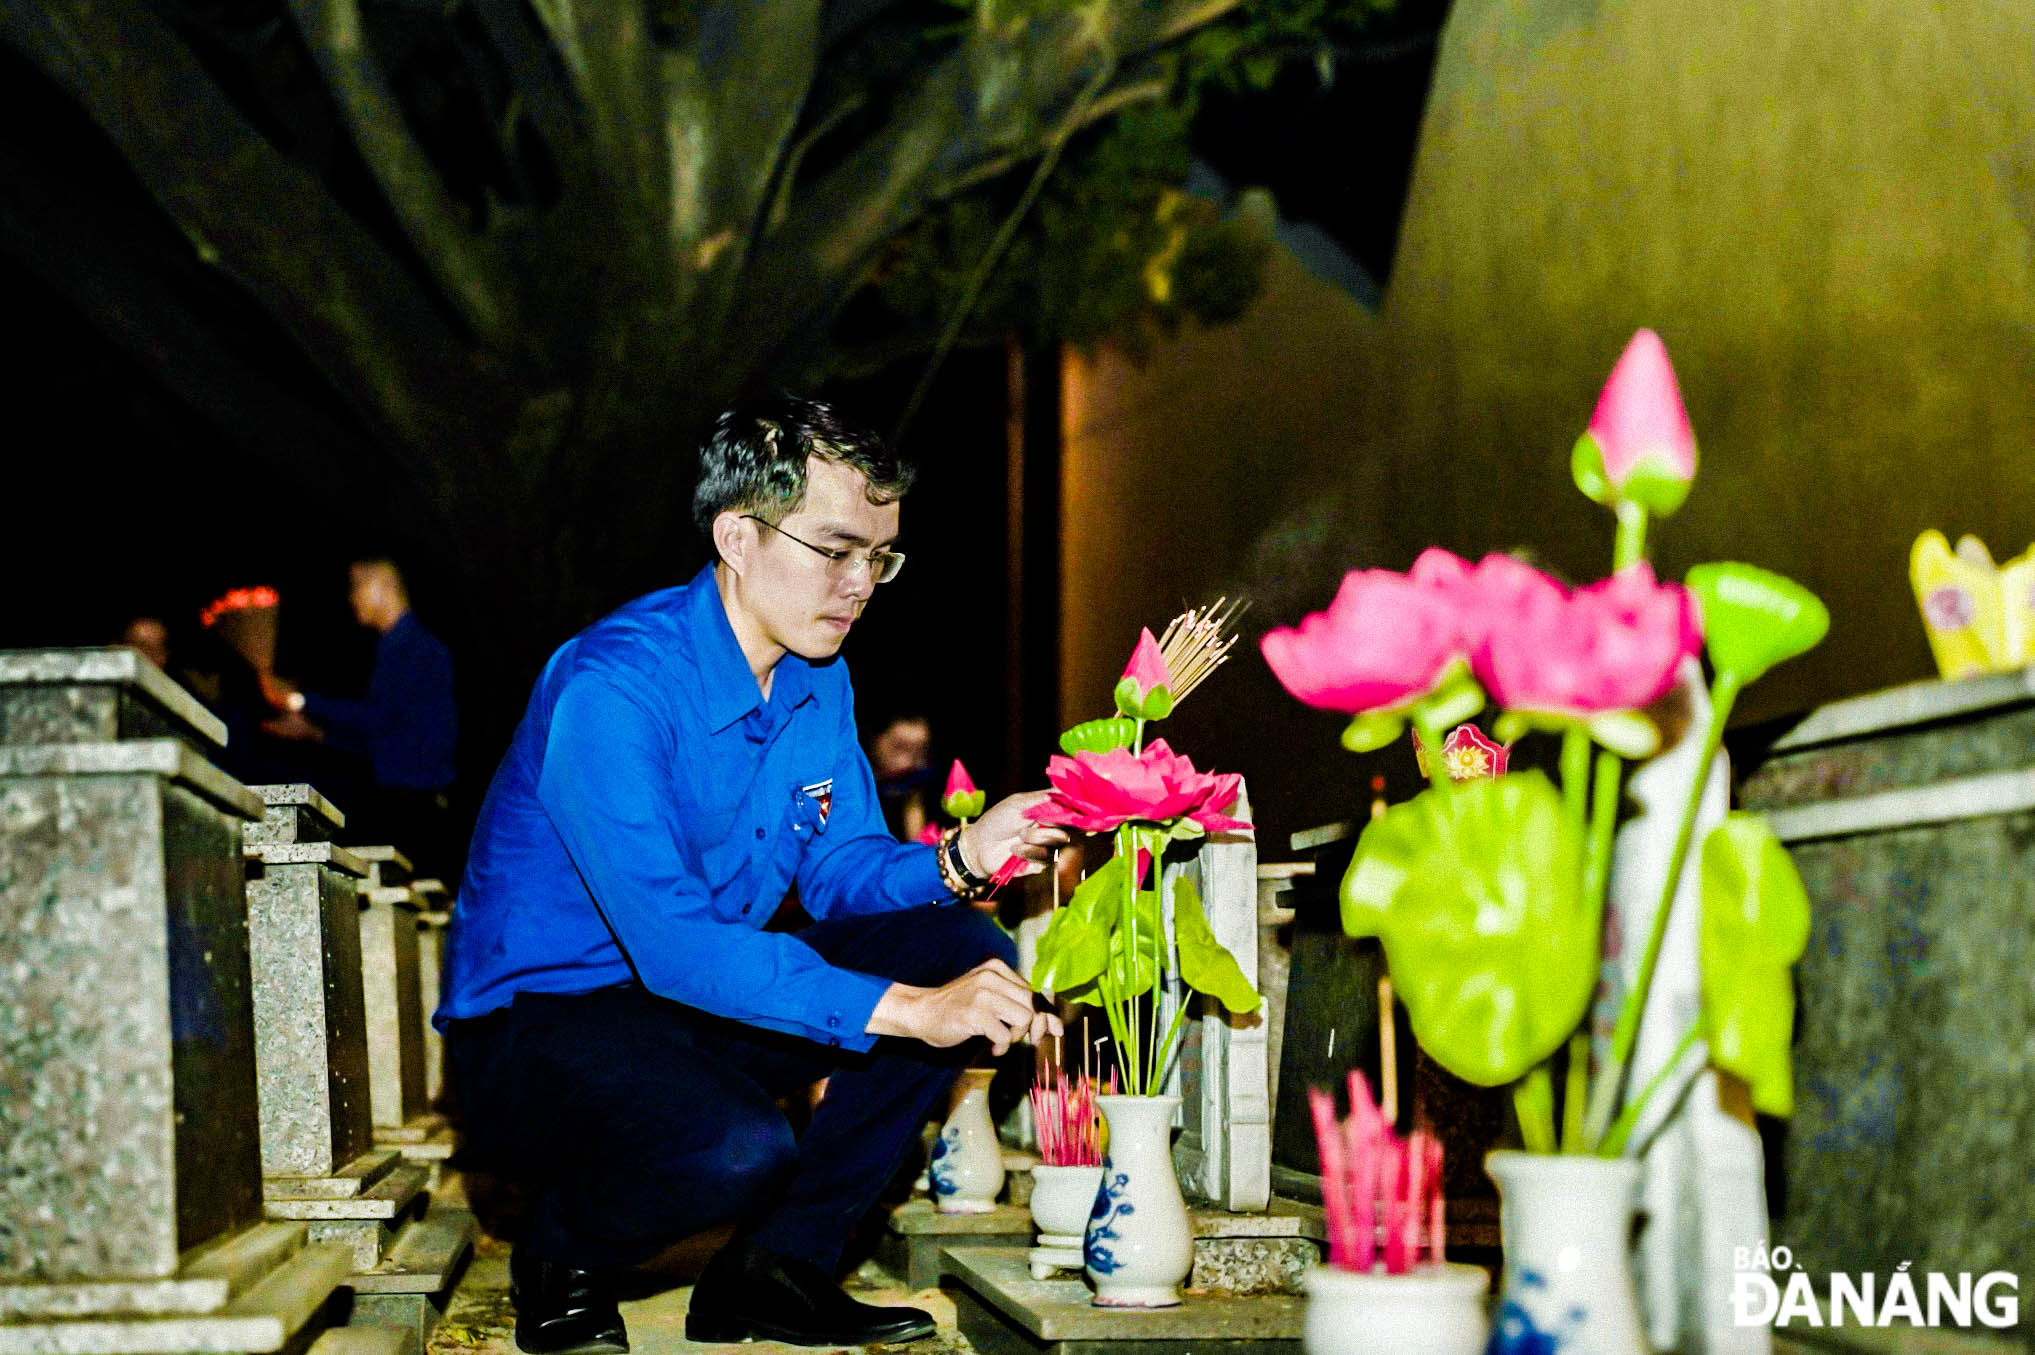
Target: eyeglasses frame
x=839, y=558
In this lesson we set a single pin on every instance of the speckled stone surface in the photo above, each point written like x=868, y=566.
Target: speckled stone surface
x=387, y=867
x=395, y=1015
x=310, y=1018
x=128, y=1130
x=1248, y=1265
x=431, y=926
x=1061, y=1309
x=265, y=1318
x=1914, y=1130
x=1913, y=1138
x=97, y=696
x=294, y=812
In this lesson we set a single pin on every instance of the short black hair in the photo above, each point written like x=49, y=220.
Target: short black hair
x=755, y=459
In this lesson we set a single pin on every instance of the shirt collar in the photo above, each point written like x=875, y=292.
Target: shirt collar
x=729, y=687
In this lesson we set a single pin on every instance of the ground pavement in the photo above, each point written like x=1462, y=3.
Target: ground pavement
x=481, y=1321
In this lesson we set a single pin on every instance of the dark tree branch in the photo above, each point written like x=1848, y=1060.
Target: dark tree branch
x=732, y=98
x=263, y=221
x=982, y=109
x=466, y=265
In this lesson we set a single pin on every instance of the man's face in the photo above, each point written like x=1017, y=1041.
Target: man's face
x=803, y=602
x=359, y=592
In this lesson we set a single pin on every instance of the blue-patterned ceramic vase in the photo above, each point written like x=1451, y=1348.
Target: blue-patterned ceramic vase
x=1139, y=1246
x=967, y=1166
x=1566, y=1222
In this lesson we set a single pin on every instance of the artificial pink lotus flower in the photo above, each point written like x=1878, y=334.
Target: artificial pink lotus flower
x=1386, y=640
x=1615, y=645
x=958, y=780
x=1100, y=792
x=929, y=835
x=1468, y=755
x=1640, y=433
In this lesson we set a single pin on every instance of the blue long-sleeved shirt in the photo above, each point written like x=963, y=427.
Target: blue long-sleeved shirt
x=652, y=812
x=408, y=723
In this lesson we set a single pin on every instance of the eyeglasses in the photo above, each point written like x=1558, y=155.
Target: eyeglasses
x=882, y=565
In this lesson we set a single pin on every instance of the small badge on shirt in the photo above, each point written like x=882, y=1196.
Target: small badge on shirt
x=822, y=794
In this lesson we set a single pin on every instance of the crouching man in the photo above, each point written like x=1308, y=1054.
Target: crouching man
x=620, y=1024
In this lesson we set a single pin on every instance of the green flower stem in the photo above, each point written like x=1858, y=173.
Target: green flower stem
x=1603, y=826
x=1167, y=1047
x=1630, y=546
x=1627, y=1031
x=1430, y=744
x=1575, y=1088
x=1575, y=776
x=1533, y=1098
x=1628, y=1119
x=1127, y=849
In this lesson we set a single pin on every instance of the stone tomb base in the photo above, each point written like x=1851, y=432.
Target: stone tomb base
x=916, y=1233
x=1002, y=1310
x=260, y=1290
x=404, y=1251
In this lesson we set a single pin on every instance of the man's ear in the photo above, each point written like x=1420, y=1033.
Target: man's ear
x=732, y=540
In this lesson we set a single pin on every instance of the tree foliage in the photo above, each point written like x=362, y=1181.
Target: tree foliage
x=533, y=244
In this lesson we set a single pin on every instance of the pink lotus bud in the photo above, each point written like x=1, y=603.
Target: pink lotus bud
x=962, y=799
x=1147, y=667
x=1640, y=446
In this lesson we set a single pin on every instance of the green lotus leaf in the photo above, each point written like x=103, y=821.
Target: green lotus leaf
x=1373, y=730
x=1074, y=950
x=1477, y=897
x=1206, y=965
x=1755, y=926
x=1754, y=618
x=1099, y=736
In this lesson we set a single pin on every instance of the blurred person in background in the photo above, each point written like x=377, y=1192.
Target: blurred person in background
x=406, y=725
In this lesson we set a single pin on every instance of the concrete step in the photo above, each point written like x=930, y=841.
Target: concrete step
x=1002, y=1310
x=260, y=1320
x=209, y=1278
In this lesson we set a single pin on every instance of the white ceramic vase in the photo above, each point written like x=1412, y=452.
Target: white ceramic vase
x=1429, y=1310
x=967, y=1166
x=1139, y=1246
x=1566, y=1222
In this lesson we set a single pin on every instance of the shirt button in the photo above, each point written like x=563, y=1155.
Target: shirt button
x=759, y=835
x=746, y=907
x=833, y=1023
x=835, y=1042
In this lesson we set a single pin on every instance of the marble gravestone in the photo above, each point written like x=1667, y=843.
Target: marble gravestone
x=132, y=1215
x=395, y=1009
x=324, y=1168
x=434, y=915
x=1910, y=814
x=1224, y=1150
x=310, y=1018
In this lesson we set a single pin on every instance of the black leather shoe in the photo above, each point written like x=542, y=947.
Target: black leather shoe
x=560, y=1309
x=746, y=1291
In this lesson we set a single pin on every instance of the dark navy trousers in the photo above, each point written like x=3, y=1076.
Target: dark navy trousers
x=639, y=1121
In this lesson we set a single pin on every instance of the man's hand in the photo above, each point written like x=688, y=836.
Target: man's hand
x=1005, y=832
x=990, y=1000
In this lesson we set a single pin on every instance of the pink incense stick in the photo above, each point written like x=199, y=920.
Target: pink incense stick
x=1344, y=1240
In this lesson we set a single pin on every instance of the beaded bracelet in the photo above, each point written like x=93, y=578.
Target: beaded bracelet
x=954, y=873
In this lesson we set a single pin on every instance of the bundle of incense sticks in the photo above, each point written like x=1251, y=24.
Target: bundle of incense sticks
x=1198, y=642
x=1063, y=1109
x=1379, y=1192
